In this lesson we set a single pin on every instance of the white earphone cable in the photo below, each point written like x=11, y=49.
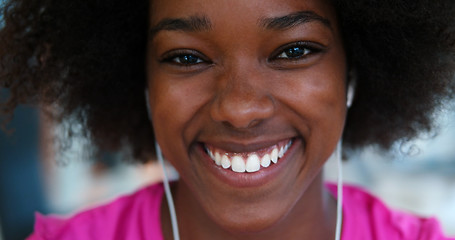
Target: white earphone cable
x=339, y=192
x=167, y=190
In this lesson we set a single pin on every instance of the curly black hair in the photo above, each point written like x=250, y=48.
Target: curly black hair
x=88, y=57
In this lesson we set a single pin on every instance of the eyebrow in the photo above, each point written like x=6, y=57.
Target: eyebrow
x=202, y=23
x=189, y=24
x=292, y=20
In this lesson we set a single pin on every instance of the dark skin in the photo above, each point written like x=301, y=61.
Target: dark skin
x=242, y=76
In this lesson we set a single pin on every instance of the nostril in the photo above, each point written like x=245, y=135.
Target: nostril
x=251, y=124
x=254, y=123
x=242, y=112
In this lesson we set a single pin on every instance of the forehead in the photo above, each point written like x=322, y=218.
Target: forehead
x=237, y=12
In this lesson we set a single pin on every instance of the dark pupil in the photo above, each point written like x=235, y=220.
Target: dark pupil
x=295, y=52
x=188, y=59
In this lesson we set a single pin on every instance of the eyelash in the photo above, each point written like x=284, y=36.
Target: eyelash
x=191, y=57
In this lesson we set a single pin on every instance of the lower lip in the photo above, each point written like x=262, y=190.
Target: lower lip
x=255, y=179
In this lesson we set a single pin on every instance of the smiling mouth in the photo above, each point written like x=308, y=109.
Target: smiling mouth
x=248, y=161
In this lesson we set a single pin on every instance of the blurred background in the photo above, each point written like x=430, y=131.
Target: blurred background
x=417, y=177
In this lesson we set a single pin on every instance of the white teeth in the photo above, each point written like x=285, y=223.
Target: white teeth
x=238, y=164
x=225, y=163
x=211, y=154
x=265, y=161
x=281, y=152
x=252, y=163
x=218, y=158
x=274, y=155
x=287, y=146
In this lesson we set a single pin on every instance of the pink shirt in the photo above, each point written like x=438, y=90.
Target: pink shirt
x=137, y=217
x=366, y=218
x=133, y=217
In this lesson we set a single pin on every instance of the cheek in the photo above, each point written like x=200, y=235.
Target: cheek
x=323, y=95
x=314, y=95
x=174, y=104
x=317, y=93
x=318, y=102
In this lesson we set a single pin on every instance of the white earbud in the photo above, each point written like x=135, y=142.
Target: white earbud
x=352, y=78
x=146, y=91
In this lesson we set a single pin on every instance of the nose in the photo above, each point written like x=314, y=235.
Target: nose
x=242, y=99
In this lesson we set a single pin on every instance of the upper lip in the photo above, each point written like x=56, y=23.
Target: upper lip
x=238, y=146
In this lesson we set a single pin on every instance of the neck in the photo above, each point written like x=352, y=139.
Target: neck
x=312, y=217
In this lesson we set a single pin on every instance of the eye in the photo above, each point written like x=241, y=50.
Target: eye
x=297, y=51
x=188, y=59
x=184, y=57
x=294, y=52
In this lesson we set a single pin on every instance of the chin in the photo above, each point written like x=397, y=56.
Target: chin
x=249, y=219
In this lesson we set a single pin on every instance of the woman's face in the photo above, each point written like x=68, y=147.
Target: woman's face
x=247, y=101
